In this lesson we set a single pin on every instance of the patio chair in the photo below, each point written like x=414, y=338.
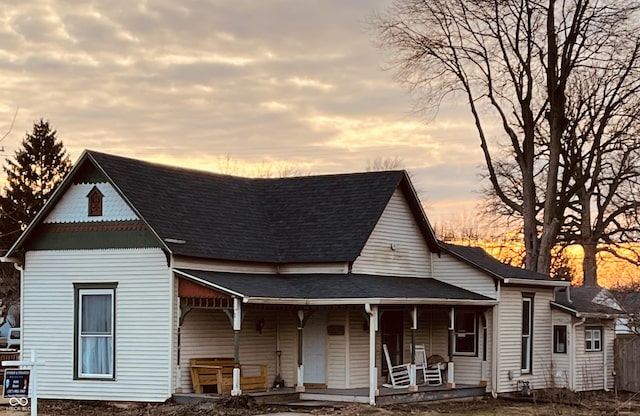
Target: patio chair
x=398, y=374
x=432, y=373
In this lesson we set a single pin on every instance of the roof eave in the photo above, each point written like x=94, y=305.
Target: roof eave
x=534, y=282
x=372, y=301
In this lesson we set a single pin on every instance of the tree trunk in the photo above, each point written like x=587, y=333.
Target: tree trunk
x=590, y=269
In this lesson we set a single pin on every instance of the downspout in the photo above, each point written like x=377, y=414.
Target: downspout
x=372, y=311
x=574, y=349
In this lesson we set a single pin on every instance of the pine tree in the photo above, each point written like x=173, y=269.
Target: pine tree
x=32, y=175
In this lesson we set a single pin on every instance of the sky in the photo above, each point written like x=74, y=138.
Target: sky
x=231, y=85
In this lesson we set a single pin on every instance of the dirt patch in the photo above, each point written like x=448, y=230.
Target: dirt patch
x=564, y=404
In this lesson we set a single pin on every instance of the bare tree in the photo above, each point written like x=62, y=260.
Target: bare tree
x=385, y=163
x=513, y=62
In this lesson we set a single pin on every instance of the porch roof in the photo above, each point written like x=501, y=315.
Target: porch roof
x=334, y=289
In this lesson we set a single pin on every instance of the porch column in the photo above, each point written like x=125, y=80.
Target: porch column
x=413, y=386
x=300, y=385
x=237, y=324
x=451, y=383
x=372, y=311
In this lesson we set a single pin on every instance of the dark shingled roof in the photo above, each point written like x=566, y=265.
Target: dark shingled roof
x=302, y=219
x=588, y=299
x=332, y=286
x=477, y=257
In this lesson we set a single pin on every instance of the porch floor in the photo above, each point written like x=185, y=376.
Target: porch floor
x=336, y=397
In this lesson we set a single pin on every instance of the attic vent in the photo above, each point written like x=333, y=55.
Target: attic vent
x=94, y=198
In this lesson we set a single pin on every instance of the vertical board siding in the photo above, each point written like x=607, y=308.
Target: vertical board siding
x=396, y=246
x=454, y=271
x=142, y=328
x=73, y=206
x=209, y=333
x=510, y=339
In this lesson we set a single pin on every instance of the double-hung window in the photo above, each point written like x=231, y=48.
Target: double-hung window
x=95, y=331
x=465, y=333
x=560, y=339
x=593, y=338
x=527, y=333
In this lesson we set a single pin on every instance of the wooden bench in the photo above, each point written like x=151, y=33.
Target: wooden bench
x=219, y=372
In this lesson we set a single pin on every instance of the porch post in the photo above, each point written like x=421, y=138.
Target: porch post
x=450, y=366
x=237, y=324
x=300, y=384
x=413, y=386
x=372, y=311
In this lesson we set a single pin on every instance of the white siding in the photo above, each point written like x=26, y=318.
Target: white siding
x=510, y=339
x=209, y=333
x=73, y=207
x=261, y=268
x=590, y=365
x=337, y=351
x=143, y=321
x=458, y=273
x=396, y=246
x=561, y=362
x=358, y=349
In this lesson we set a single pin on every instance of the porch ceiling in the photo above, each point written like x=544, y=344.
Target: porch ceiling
x=324, y=289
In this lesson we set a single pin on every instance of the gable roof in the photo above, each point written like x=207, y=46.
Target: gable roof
x=286, y=220
x=587, y=301
x=481, y=260
x=333, y=288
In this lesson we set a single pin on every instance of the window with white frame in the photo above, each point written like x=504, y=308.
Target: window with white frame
x=95, y=331
x=527, y=333
x=593, y=339
x=465, y=333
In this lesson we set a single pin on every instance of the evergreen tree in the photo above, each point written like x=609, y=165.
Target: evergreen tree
x=32, y=175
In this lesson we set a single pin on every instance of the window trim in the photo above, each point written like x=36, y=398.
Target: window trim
x=81, y=289
x=592, y=330
x=556, y=338
x=455, y=332
x=526, y=361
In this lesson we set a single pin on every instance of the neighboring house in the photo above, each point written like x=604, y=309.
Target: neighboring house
x=132, y=269
x=584, y=329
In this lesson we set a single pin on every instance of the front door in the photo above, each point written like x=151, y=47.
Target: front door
x=314, y=350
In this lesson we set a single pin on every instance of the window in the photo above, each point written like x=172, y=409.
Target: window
x=95, y=331
x=593, y=339
x=560, y=339
x=465, y=333
x=527, y=333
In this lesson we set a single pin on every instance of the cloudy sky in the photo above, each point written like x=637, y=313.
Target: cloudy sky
x=212, y=84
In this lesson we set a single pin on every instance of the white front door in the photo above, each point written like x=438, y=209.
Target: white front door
x=314, y=350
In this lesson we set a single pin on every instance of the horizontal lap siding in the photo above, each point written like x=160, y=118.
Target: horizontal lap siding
x=143, y=321
x=209, y=333
x=510, y=339
x=358, y=349
x=337, y=348
x=590, y=366
x=458, y=273
x=561, y=362
x=396, y=247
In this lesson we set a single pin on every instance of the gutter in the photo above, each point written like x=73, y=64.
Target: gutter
x=574, y=350
x=372, y=301
x=533, y=282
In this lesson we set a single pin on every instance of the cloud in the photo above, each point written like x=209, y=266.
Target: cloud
x=192, y=81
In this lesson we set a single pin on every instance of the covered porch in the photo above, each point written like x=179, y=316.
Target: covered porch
x=324, y=334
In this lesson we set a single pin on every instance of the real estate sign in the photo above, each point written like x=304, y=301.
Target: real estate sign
x=16, y=383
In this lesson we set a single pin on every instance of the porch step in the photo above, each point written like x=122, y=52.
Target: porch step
x=309, y=404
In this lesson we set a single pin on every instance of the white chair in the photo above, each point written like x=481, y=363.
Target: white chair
x=13, y=338
x=432, y=373
x=398, y=374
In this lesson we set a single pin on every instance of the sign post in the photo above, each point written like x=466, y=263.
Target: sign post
x=19, y=380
